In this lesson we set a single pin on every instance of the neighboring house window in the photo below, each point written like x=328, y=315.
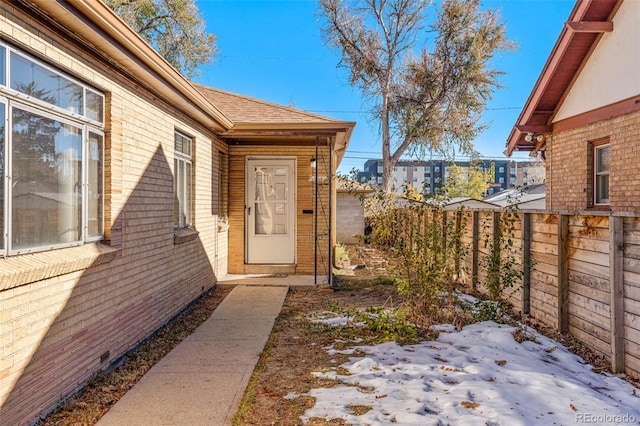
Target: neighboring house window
x=379, y=180
x=182, y=181
x=427, y=169
x=427, y=179
x=501, y=180
x=601, y=174
x=51, y=157
x=380, y=170
x=436, y=169
x=500, y=169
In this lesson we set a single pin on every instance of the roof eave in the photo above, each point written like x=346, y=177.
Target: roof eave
x=572, y=26
x=140, y=59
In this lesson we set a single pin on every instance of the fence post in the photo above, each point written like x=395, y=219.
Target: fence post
x=526, y=263
x=496, y=250
x=616, y=282
x=563, y=273
x=475, y=237
x=458, y=242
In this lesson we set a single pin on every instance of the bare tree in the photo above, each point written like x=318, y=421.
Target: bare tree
x=426, y=79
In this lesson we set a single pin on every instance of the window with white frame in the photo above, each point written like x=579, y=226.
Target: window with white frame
x=601, y=174
x=51, y=157
x=182, y=180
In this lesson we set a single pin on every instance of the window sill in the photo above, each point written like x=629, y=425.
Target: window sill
x=184, y=235
x=28, y=268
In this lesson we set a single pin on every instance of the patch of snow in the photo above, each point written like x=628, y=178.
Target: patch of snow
x=479, y=375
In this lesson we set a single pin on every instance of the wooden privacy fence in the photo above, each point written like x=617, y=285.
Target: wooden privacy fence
x=583, y=276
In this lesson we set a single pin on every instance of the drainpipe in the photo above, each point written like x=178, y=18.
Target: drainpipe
x=315, y=220
x=331, y=221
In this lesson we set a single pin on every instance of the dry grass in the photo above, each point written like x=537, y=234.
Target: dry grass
x=104, y=390
x=297, y=348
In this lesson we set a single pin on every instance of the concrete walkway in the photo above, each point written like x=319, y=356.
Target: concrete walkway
x=202, y=380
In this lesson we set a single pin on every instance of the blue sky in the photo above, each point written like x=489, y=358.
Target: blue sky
x=273, y=50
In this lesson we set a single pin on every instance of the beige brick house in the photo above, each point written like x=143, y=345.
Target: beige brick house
x=583, y=115
x=128, y=191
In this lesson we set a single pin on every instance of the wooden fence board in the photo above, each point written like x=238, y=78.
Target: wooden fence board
x=591, y=257
x=582, y=232
x=598, y=271
x=590, y=292
x=542, y=259
x=590, y=310
x=544, y=237
x=586, y=244
x=632, y=223
x=596, y=344
x=632, y=236
x=589, y=221
x=540, y=278
x=598, y=333
x=587, y=280
x=545, y=247
x=632, y=251
x=632, y=307
x=632, y=265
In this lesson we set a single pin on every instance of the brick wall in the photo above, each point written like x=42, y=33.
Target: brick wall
x=569, y=170
x=62, y=310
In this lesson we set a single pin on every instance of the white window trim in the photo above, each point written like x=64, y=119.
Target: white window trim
x=596, y=174
x=186, y=178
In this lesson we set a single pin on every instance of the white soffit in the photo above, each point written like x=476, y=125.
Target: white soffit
x=611, y=74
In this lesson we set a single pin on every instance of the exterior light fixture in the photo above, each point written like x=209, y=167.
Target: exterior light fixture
x=313, y=163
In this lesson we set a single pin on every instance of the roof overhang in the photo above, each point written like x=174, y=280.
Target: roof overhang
x=588, y=21
x=94, y=22
x=338, y=133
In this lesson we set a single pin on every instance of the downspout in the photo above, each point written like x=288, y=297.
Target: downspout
x=315, y=220
x=331, y=221
x=550, y=180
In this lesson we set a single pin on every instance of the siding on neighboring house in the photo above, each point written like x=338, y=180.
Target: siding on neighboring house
x=350, y=218
x=67, y=313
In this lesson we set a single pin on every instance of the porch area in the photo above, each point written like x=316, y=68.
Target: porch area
x=292, y=281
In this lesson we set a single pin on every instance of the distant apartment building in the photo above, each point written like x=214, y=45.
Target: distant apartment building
x=430, y=175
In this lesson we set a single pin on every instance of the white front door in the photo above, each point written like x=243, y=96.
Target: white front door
x=270, y=210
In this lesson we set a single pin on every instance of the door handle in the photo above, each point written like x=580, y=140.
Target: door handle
x=249, y=211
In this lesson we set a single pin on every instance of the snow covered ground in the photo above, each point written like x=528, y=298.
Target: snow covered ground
x=477, y=376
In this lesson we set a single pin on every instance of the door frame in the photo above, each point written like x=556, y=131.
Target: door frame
x=249, y=203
